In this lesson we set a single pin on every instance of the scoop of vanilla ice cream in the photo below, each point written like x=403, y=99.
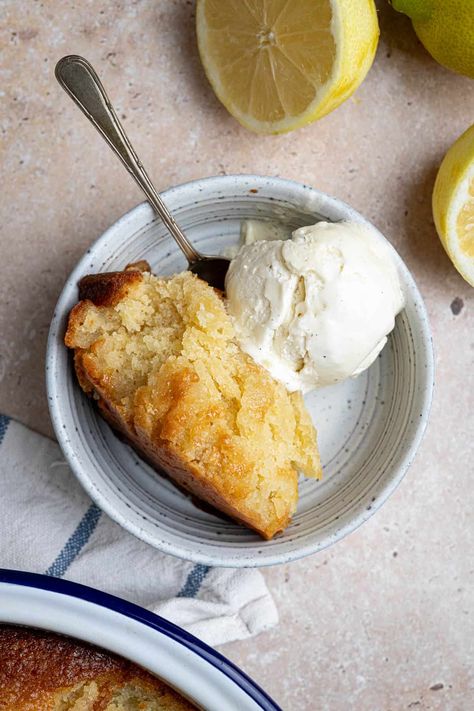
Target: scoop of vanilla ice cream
x=315, y=309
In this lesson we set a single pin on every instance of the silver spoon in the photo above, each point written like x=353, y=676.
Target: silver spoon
x=79, y=80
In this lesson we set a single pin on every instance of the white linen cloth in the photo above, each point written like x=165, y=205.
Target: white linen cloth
x=49, y=525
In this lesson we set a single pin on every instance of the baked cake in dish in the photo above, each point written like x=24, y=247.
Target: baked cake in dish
x=160, y=357
x=42, y=671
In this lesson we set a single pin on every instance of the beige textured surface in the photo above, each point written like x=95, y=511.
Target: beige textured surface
x=384, y=620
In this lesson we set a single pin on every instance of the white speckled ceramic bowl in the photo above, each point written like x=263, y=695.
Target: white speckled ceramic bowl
x=369, y=428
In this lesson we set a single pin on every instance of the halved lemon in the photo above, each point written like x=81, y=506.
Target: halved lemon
x=277, y=65
x=453, y=204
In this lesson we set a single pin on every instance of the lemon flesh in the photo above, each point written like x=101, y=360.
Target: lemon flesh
x=277, y=65
x=453, y=204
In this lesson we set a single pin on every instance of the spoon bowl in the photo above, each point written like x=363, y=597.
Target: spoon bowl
x=211, y=269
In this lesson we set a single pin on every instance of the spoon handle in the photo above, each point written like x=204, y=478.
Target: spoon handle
x=80, y=81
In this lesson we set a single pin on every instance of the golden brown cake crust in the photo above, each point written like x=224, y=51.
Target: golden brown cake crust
x=160, y=359
x=32, y=661
x=108, y=288
x=185, y=474
x=39, y=670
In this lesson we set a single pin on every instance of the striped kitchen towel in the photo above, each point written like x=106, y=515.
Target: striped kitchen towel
x=49, y=525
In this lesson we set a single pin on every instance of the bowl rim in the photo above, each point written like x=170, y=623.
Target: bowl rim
x=129, y=611
x=286, y=187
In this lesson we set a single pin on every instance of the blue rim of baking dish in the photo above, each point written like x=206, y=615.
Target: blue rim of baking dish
x=139, y=614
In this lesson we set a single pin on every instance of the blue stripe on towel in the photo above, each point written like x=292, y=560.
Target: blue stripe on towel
x=75, y=542
x=4, y=420
x=194, y=580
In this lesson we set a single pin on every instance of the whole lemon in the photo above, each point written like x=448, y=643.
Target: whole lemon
x=446, y=28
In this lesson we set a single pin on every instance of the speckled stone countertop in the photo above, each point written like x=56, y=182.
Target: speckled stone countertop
x=384, y=620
